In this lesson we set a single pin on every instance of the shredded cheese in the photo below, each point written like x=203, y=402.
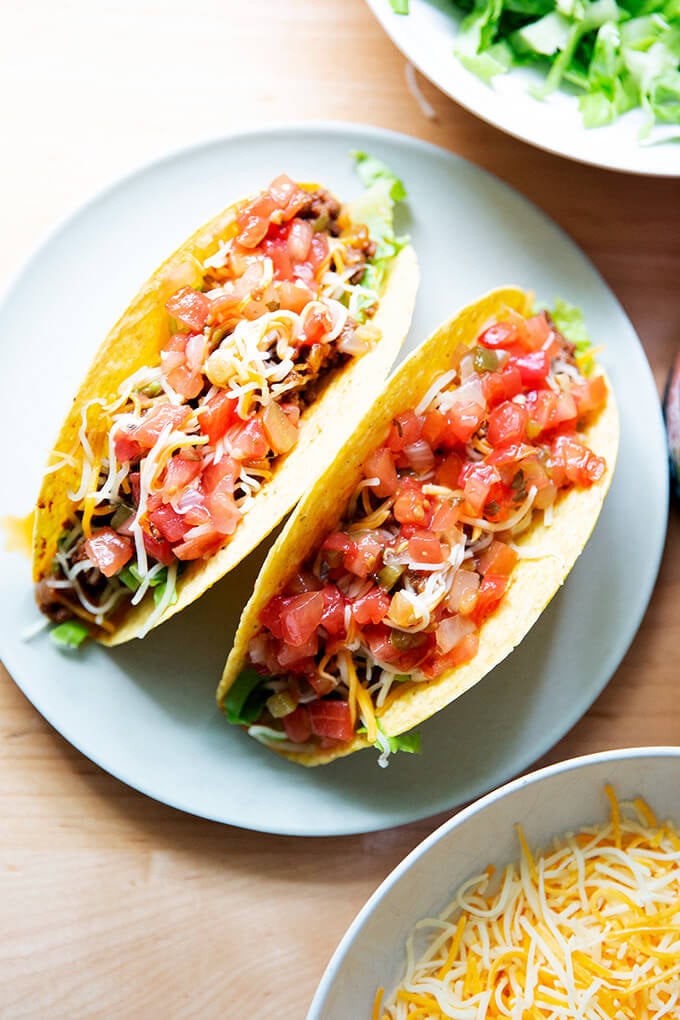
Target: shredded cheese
x=586, y=930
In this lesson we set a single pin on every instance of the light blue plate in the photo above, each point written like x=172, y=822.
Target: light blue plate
x=145, y=712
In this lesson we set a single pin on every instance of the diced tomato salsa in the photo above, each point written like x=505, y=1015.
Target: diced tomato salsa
x=450, y=486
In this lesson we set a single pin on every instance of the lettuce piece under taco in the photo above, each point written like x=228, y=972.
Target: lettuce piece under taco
x=433, y=542
x=216, y=400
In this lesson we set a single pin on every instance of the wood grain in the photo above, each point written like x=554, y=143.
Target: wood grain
x=112, y=905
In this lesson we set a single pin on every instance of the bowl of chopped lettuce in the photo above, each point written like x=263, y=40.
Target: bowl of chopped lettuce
x=594, y=80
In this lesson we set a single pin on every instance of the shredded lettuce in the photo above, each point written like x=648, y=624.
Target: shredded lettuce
x=408, y=742
x=614, y=55
x=245, y=698
x=70, y=634
x=375, y=208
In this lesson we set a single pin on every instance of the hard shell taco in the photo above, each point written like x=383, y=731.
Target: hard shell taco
x=216, y=400
x=433, y=542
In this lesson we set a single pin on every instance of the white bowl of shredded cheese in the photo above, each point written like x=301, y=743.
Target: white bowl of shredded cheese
x=556, y=896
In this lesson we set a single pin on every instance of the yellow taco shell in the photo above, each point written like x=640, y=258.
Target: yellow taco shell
x=136, y=340
x=534, y=581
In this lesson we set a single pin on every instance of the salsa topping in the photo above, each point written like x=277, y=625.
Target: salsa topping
x=171, y=465
x=425, y=550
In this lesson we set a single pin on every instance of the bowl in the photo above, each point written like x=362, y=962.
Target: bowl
x=426, y=36
x=548, y=802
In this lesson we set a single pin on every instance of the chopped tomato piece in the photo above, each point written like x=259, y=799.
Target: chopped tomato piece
x=155, y=420
x=380, y=465
x=491, y=591
x=287, y=195
x=411, y=505
x=581, y=465
x=317, y=323
x=537, y=331
x=476, y=480
x=248, y=441
x=425, y=547
x=189, y=307
x=171, y=525
x=433, y=428
x=276, y=247
x=300, y=234
x=331, y=719
x=501, y=334
x=159, y=549
x=108, y=550
x=318, y=253
x=498, y=558
x=298, y=657
x=333, y=615
x=224, y=513
x=448, y=471
x=361, y=558
x=270, y=615
x=125, y=448
x=507, y=424
x=445, y=516
x=499, y=386
x=297, y=725
x=216, y=415
x=182, y=469
x=533, y=367
x=590, y=394
x=463, y=652
x=300, y=616
x=404, y=431
x=463, y=420
x=293, y=296
x=201, y=540
x=371, y=607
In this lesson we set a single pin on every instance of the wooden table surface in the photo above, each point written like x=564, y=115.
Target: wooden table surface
x=112, y=905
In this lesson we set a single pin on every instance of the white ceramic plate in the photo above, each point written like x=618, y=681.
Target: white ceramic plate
x=547, y=803
x=145, y=712
x=426, y=37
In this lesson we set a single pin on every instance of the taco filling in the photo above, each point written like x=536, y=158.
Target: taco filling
x=425, y=549
x=172, y=464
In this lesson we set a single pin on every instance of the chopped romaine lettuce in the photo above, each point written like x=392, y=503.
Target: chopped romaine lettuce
x=615, y=56
x=245, y=698
x=70, y=634
x=375, y=208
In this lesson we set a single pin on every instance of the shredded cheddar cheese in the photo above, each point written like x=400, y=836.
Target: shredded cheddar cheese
x=588, y=929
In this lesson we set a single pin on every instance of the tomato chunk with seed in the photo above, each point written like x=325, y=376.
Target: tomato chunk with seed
x=425, y=547
x=189, y=307
x=216, y=415
x=158, y=418
x=300, y=616
x=331, y=719
x=371, y=607
x=108, y=550
x=297, y=725
x=507, y=424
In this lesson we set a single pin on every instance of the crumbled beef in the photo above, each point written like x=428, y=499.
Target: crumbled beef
x=324, y=208
x=51, y=604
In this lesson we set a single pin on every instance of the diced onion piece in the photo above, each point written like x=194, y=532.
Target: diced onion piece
x=281, y=704
x=420, y=456
x=451, y=630
x=280, y=431
x=463, y=593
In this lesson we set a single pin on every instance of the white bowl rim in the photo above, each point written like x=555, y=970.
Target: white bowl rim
x=460, y=818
